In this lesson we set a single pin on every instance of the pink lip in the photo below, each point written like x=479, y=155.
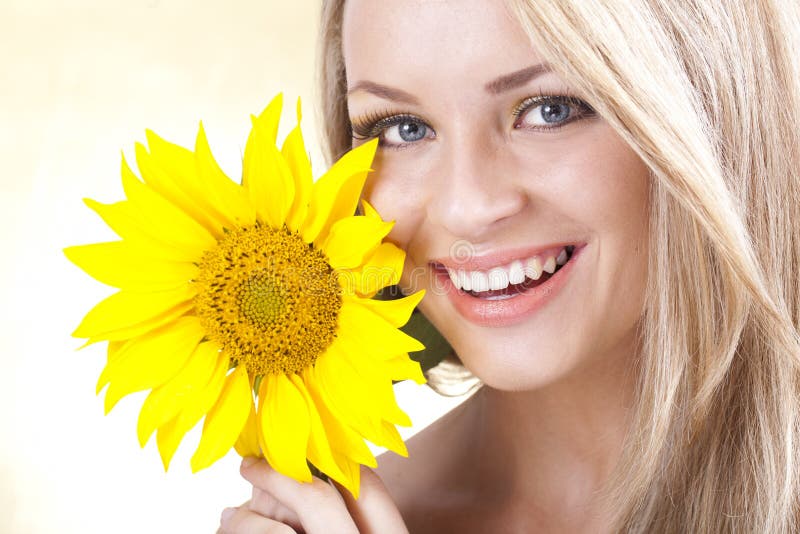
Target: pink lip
x=510, y=311
x=504, y=257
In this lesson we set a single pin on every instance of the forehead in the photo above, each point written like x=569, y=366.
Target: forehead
x=451, y=39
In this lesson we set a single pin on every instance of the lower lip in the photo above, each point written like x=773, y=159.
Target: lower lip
x=508, y=311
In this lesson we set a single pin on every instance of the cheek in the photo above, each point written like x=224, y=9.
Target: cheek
x=398, y=195
x=596, y=186
x=600, y=191
x=618, y=203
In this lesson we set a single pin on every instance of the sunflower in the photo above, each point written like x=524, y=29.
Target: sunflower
x=250, y=305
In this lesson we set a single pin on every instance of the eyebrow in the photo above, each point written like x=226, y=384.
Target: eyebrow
x=496, y=86
x=383, y=91
x=516, y=78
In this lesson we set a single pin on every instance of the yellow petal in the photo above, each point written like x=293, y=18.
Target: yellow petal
x=167, y=400
x=128, y=308
x=118, y=264
x=335, y=195
x=342, y=392
x=168, y=438
x=285, y=426
x=372, y=333
x=294, y=152
x=383, y=268
x=131, y=227
x=150, y=360
x=375, y=383
x=396, y=311
x=189, y=191
x=129, y=180
x=230, y=198
x=170, y=435
x=247, y=442
x=139, y=329
x=369, y=211
x=402, y=367
x=269, y=119
x=175, y=224
x=340, y=435
x=113, y=349
x=225, y=421
x=267, y=178
x=319, y=449
x=351, y=239
x=392, y=439
x=338, y=385
x=352, y=471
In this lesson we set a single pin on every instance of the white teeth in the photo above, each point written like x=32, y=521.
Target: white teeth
x=498, y=278
x=533, y=268
x=465, y=280
x=454, y=277
x=550, y=265
x=516, y=274
x=480, y=282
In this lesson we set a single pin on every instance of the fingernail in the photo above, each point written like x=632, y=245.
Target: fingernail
x=226, y=515
x=247, y=461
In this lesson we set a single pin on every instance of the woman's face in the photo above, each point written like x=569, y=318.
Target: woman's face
x=483, y=178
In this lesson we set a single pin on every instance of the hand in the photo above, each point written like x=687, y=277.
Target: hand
x=281, y=505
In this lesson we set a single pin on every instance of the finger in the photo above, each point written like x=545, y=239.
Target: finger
x=242, y=520
x=227, y=513
x=267, y=505
x=375, y=512
x=317, y=504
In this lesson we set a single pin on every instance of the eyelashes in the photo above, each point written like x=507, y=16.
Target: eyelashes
x=520, y=110
x=377, y=122
x=374, y=123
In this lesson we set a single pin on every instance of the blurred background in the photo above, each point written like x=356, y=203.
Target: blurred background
x=81, y=80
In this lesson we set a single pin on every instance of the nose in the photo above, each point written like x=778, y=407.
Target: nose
x=478, y=192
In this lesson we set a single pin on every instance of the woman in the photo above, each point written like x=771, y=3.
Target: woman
x=624, y=179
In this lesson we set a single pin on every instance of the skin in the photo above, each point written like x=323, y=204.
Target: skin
x=530, y=450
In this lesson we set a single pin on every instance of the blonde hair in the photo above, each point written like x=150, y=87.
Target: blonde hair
x=707, y=92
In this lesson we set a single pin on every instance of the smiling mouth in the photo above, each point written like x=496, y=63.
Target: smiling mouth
x=513, y=289
x=532, y=278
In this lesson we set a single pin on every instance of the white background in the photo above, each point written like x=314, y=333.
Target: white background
x=81, y=80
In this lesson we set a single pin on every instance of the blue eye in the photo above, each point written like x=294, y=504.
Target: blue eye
x=406, y=131
x=549, y=112
x=393, y=130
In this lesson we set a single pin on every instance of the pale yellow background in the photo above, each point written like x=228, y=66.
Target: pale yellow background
x=81, y=80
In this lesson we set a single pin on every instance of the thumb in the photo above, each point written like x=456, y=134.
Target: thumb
x=375, y=512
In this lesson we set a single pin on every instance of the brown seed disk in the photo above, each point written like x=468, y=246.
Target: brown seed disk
x=270, y=299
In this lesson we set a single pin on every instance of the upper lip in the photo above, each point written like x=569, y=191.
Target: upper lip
x=503, y=257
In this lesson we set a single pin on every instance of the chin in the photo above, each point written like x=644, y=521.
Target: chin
x=516, y=365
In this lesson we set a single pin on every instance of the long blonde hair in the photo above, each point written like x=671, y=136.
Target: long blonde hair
x=707, y=92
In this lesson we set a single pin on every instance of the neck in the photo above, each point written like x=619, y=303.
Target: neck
x=556, y=445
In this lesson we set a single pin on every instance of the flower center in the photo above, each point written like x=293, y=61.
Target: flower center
x=269, y=298
x=261, y=300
